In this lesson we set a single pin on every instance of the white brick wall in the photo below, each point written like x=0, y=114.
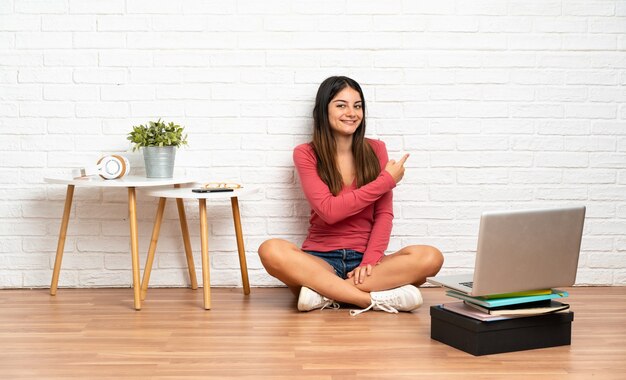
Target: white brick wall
x=502, y=104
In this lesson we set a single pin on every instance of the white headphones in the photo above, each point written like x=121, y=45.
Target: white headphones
x=107, y=167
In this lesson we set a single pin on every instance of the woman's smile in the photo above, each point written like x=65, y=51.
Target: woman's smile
x=345, y=111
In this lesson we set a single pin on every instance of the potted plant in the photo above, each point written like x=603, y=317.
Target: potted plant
x=159, y=142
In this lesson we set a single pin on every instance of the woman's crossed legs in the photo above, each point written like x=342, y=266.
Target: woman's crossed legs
x=296, y=268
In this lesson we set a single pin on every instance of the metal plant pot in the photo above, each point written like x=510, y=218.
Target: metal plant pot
x=159, y=161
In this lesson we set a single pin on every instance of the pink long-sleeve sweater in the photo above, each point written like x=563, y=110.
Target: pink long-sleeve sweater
x=358, y=219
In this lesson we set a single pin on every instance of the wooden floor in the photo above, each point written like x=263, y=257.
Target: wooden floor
x=96, y=333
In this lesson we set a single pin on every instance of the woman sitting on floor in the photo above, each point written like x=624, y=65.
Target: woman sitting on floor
x=348, y=181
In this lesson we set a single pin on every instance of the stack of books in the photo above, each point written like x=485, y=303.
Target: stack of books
x=507, y=306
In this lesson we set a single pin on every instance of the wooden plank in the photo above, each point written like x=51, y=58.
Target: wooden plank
x=95, y=333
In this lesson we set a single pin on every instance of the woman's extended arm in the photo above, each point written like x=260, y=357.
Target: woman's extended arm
x=330, y=208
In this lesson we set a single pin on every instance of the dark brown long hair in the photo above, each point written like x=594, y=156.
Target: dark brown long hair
x=325, y=147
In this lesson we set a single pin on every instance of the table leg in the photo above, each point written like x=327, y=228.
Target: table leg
x=134, y=245
x=61, y=243
x=204, y=244
x=185, y=232
x=153, y=244
x=242, y=252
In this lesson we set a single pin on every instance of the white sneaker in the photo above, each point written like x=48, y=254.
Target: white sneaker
x=311, y=300
x=404, y=298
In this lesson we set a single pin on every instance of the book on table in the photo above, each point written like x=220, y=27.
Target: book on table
x=490, y=315
x=519, y=294
x=492, y=302
x=521, y=309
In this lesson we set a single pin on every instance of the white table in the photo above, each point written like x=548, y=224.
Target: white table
x=130, y=182
x=185, y=193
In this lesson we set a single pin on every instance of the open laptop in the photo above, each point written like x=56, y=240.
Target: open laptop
x=522, y=250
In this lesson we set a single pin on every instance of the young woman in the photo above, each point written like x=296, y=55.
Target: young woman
x=348, y=181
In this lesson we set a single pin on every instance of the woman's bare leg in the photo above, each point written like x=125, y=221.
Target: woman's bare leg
x=296, y=268
x=410, y=265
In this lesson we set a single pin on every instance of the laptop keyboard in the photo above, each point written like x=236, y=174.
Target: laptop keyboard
x=468, y=284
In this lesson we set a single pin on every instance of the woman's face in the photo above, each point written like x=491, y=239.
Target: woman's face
x=345, y=112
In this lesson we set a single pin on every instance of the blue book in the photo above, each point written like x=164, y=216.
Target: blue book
x=496, y=302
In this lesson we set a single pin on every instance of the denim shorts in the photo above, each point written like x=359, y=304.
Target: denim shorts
x=342, y=260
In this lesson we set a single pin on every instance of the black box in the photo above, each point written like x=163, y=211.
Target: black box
x=483, y=338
